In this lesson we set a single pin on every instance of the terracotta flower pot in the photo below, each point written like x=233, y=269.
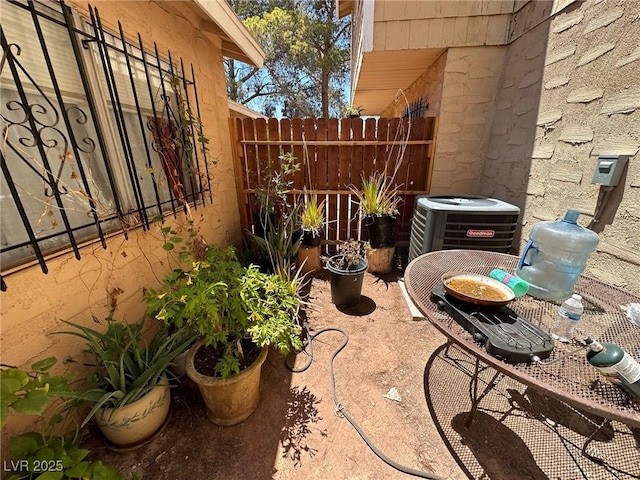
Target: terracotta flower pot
x=179, y=366
x=228, y=400
x=134, y=423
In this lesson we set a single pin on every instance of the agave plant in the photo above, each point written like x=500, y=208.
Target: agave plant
x=281, y=241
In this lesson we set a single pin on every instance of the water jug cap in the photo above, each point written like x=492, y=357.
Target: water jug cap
x=571, y=216
x=575, y=296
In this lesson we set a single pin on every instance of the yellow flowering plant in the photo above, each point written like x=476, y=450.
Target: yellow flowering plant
x=223, y=302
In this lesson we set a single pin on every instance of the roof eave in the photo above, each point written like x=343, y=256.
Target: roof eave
x=237, y=41
x=344, y=7
x=243, y=110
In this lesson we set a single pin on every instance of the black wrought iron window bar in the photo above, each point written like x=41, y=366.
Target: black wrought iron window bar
x=103, y=143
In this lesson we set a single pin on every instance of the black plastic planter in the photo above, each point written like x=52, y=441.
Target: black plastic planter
x=296, y=236
x=346, y=285
x=380, y=230
x=311, y=238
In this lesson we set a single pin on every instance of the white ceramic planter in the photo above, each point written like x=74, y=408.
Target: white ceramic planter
x=137, y=421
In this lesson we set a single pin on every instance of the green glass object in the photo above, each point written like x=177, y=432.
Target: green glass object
x=617, y=366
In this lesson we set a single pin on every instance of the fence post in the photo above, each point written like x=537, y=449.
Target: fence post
x=235, y=125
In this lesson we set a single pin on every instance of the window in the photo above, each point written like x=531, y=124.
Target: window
x=98, y=134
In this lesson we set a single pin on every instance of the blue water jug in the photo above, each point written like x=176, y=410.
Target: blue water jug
x=555, y=255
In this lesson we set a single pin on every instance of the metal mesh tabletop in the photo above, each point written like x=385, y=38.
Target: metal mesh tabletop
x=571, y=380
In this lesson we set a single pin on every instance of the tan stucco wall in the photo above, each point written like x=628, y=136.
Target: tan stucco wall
x=428, y=87
x=75, y=290
x=524, y=123
x=589, y=104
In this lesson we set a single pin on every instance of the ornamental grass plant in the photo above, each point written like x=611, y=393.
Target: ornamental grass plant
x=312, y=214
x=126, y=365
x=378, y=196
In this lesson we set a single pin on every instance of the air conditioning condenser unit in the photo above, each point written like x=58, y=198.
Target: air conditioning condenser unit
x=462, y=222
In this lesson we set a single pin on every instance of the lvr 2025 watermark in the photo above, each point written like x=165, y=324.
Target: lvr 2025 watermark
x=33, y=466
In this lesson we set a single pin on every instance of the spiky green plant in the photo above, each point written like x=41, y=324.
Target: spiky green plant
x=312, y=215
x=378, y=196
x=126, y=366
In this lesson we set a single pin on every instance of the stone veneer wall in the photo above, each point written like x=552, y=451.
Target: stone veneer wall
x=471, y=79
x=512, y=136
x=589, y=104
x=525, y=123
x=460, y=87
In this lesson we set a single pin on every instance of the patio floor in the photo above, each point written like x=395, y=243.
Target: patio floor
x=295, y=434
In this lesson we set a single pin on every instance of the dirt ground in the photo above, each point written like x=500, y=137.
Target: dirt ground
x=295, y=432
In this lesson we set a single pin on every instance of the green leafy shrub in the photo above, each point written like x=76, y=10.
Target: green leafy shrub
x=44, y=456
x=274, y=181
x=29, y=392
x=223, y=302
x=53, y=457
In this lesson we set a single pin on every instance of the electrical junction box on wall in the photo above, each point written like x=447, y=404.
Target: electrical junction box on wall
x=609, y=170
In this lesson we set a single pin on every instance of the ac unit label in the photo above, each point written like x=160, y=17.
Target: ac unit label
x=480, y=233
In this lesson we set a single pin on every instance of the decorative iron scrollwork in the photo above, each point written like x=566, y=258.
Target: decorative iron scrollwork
x=62, y=143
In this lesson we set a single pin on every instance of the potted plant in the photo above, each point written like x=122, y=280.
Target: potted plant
x=237, y=312
x=352, y=111
x=311, y=220
x=378, y=203
x=129, y=383
x=280, y=242
x=347, y=270
x=271, y=189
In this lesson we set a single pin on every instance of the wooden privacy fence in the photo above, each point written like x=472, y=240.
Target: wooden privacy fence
x=333, y=154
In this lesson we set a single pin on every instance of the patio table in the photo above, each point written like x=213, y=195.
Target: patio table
x=571, y=380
